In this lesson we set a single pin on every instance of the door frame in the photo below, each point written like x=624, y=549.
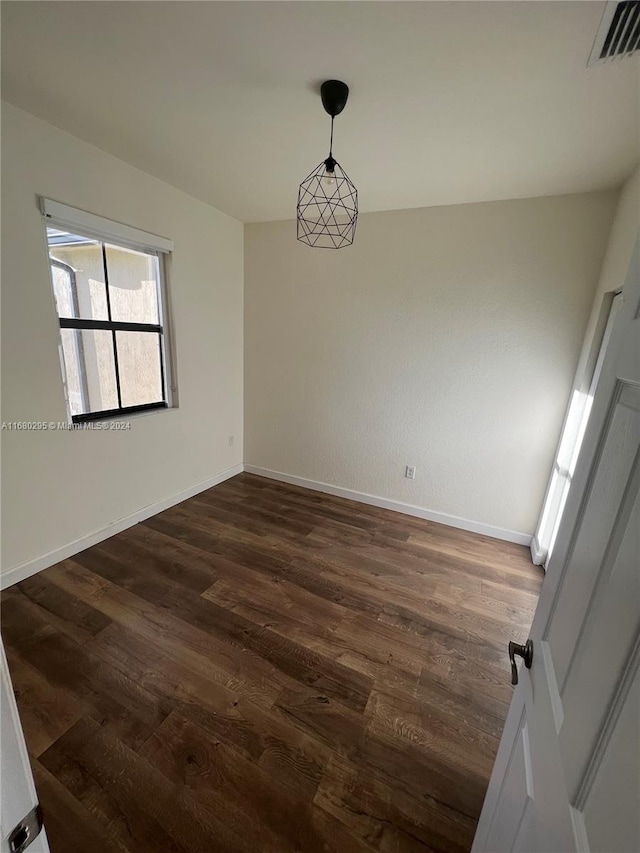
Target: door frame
x=543, y=540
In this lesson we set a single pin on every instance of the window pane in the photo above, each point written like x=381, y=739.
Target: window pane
x=78, y=275
x=133, y=285
x=139, y=368
x=90, y=369
x=62, y=279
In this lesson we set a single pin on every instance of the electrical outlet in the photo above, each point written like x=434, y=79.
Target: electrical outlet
x=230, y=441
x=410, y=472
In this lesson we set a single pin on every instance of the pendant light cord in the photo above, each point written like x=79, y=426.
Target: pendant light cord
x=331, y=140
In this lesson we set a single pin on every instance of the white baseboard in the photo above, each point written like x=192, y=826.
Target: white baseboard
x=538, y=554
x=31, y=567
x=396, y=506
x=37, y=564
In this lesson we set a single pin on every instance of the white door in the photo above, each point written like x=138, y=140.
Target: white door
x=567, y=774
x=19, y=820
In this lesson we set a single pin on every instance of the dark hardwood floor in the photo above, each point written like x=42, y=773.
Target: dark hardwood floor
x=265, y=668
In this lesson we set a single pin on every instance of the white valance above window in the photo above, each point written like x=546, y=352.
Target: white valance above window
x=104, y=229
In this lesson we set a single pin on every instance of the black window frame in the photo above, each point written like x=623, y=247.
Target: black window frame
x=115, y=326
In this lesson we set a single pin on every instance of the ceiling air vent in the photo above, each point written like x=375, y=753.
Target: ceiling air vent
x=619, y=32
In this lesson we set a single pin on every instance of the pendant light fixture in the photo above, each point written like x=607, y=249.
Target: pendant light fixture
x=327, y=200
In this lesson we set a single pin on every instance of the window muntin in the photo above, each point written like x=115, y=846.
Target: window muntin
x=109, y=303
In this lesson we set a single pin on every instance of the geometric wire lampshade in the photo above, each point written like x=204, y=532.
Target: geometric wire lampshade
x=327, y=210
x=327, y=207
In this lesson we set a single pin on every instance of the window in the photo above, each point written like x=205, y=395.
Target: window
x=109, y=296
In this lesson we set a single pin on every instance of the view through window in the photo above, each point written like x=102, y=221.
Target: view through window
x=109, y=303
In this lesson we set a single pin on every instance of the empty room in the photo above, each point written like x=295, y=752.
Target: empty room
x=320, y=427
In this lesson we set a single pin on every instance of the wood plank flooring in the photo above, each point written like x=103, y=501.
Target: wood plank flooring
x=265, y=668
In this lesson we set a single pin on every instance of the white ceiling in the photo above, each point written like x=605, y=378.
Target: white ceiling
x=450, y=102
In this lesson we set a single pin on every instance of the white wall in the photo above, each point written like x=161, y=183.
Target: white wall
x=60, y=486
x=625, y=230
x=445, y=338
